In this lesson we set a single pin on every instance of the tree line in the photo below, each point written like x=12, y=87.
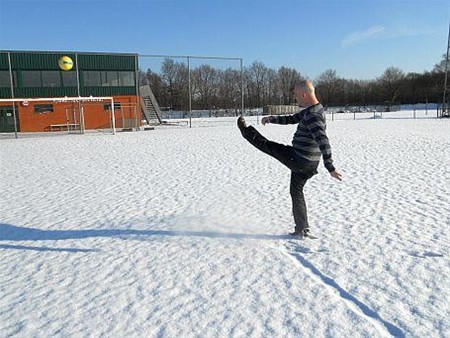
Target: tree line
x=214, y=88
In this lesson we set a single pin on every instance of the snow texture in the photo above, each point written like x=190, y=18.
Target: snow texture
x=181, y=232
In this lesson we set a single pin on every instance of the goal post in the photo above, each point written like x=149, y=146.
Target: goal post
x=54, y=113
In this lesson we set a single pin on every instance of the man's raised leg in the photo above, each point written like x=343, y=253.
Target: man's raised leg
x=279, y=151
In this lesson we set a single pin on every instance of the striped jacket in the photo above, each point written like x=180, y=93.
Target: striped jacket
x=310, y=140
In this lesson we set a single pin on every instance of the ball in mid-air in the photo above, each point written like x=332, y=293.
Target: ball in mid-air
x=65, y=63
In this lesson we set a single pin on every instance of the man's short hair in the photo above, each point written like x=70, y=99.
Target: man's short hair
x=305, y=85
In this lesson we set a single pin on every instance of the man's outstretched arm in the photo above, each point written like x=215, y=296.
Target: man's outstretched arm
x=282, y=119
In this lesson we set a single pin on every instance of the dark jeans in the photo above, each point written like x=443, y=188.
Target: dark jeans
x=300, y=172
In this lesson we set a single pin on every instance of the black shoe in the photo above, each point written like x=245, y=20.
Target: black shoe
x=300, y=233
x=241, y=124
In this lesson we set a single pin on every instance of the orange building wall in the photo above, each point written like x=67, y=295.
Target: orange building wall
x=95, y=116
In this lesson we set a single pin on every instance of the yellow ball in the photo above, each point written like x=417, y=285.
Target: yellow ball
x=65, y=63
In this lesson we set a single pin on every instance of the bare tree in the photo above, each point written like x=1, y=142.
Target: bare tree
x=327, y=86
x=175, y=77
x=286, y=80
x=440, y=67
x=229, y=88
x=205, y=79
x=271, y=91
x=257, y=76
x=391, y=81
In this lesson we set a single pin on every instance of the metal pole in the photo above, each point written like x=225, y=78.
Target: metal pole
x=82, y=127
x=189, y=90
x=12, y=94
x=78, y=75
x=75, y=116
x=242, y=86
x=446, y=73
x=67, y=120
x=136, y=117
x=113, y=117
x=136, y=80
x=80, y=109
x=192, y=57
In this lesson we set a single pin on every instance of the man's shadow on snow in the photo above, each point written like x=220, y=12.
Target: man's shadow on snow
x=15, y=233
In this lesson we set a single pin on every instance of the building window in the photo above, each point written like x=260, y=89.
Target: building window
x=126, y=79
x=43, y=108
x=31, y=78
x=104, y=80
x=92, y=79
x=51, y=78
x=48, y=78
x=4, y=79
x=107, y=106
x=109, y=78
x=113, y=78
x=69, y=79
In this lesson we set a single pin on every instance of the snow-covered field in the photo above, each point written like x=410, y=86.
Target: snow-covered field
x=180, y=232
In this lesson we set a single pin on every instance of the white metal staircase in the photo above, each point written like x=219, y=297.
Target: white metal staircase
x=150, y=107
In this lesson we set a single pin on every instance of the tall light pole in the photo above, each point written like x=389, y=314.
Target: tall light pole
x=445, y=111
x=189, y=90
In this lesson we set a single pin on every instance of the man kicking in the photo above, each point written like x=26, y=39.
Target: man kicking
x=302, y=158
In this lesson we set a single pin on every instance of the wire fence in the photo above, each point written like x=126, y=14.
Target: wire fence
x=411, y=111
x=225, y=118
x=217, y=118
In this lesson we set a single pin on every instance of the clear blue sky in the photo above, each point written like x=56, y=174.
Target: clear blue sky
x=358, y=39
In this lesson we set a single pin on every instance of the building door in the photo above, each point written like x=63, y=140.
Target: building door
x=7, y=119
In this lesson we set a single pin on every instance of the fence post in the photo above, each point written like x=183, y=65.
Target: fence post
x=11, y=79
x=189, y=90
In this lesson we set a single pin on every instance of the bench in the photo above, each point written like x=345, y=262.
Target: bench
x=64, y=126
